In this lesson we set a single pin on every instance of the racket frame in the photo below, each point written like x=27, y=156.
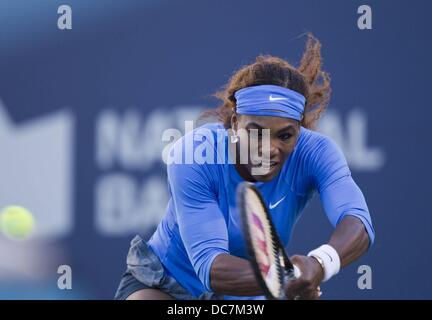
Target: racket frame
x=284, y=265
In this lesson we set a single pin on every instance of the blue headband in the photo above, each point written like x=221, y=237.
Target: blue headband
x=270, y=100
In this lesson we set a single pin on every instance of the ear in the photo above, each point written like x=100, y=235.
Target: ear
x=234, y=121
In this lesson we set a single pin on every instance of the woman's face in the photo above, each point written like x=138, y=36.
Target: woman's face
x=283, y=135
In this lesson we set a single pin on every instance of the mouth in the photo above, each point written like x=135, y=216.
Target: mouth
x=271, y=165
x=265, y=170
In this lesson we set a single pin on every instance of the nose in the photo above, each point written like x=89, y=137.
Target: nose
x=274, y=150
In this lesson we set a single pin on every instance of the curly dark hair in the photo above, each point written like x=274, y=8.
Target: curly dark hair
x=308, y=79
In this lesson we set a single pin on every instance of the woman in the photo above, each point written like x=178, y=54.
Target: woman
x=197, y=251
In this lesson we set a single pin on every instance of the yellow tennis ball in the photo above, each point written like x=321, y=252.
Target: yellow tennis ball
x=16, y=222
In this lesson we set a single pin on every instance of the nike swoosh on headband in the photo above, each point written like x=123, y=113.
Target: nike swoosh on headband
x=271, y=98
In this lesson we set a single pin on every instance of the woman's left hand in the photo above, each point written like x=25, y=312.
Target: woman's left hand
x=307, y=285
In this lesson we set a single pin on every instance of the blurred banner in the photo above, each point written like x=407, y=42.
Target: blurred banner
x=82, y=112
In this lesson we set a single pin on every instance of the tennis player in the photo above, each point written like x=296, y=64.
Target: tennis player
x=198, y=251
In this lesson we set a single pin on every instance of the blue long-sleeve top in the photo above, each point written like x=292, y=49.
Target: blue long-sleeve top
x=202, y=221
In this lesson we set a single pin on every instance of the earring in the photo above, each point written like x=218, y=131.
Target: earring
x=234, y=137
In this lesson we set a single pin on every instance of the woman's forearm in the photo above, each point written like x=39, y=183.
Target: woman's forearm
x=231, y=275
x=350, y=239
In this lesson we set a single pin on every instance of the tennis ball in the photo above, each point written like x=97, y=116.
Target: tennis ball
x=16, y=222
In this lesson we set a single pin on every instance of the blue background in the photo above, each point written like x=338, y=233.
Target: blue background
x=162, y=54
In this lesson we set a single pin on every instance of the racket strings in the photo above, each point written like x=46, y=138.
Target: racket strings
x=266, y=249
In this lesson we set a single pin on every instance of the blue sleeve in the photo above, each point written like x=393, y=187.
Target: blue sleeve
x=201, y=224
x=340, y=195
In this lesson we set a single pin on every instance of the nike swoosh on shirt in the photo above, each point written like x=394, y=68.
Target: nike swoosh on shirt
x=272, y=206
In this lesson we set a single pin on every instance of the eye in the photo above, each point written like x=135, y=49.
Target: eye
x=285, y=136
x=258, y=134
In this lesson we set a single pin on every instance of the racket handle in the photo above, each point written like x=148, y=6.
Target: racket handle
x=293, y=274
x=297, y=272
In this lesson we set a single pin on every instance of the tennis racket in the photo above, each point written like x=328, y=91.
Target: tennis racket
x=270, y=262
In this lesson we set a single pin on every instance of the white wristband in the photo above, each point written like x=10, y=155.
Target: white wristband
x=330, y=259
